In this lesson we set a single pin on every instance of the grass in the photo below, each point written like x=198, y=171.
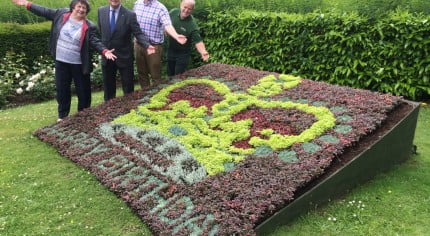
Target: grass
x=42, y=192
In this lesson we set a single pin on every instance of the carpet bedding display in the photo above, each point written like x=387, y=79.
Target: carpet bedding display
x=220, y=148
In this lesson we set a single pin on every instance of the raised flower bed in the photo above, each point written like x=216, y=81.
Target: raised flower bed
x=222, y=149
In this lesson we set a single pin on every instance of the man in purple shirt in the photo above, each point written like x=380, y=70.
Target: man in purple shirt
x=153, y=19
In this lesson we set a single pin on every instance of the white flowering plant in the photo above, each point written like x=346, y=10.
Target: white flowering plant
x=20, y=82
x=40, y=85
x=12, y=69
x=96, y=74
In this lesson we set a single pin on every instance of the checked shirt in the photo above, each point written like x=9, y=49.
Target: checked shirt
x=153, y=17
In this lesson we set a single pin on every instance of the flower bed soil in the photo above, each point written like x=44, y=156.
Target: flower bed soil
x=219, y=149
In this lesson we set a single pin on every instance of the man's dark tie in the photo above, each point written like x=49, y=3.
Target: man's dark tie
x=112, y=21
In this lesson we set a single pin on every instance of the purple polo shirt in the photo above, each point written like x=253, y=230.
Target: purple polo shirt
x=153, y=17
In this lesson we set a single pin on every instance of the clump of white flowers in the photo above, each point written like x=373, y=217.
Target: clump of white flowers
x=32, y=80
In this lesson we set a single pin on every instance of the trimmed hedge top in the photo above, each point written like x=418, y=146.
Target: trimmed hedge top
x=32, y=39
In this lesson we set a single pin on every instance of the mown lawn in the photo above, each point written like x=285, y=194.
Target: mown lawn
x=42, y=192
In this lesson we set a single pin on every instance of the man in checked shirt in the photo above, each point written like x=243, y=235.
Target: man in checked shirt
x=154, y=20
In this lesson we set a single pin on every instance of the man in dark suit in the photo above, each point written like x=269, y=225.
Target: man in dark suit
x=117, y=24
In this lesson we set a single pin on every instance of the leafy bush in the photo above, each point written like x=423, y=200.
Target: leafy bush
x=36, y=81
x=387, y=55
x=11, y=69
x=347, y=49
x=40, y=85
x=96, y=74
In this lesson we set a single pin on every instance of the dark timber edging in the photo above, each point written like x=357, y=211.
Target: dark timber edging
x=393, y=147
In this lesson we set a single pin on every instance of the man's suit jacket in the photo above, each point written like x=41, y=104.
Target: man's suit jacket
x=121, y=38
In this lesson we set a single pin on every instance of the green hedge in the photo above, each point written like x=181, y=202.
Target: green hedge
x=32, y=39
x=389, y=55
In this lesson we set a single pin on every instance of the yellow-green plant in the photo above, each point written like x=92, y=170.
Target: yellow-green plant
x=206, y=139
